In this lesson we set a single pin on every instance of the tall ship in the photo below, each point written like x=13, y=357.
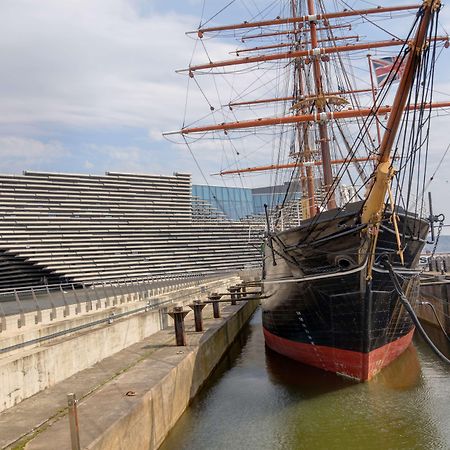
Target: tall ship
x=346, y=117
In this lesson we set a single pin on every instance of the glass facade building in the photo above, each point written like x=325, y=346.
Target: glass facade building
x=235, y=203
x=238, y=203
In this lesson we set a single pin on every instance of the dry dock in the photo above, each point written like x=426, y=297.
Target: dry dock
x=131, y=399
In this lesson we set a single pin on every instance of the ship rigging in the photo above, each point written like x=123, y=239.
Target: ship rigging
x=361, y=167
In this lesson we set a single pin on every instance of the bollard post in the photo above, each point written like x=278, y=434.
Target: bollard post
x=73, y=421
x=214, y=299
x=244, y=290
x=232, y=291
x=238, y=288
x=197, y=306
x=178, y=316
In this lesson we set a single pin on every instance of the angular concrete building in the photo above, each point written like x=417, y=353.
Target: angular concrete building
x=84, y=228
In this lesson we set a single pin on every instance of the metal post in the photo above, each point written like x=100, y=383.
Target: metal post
x=78, y=307
x=98, y=304
x=73, y=421
x=88, y=298
x=115, y=300
x=129, y=290
x=38, y=316
x=2, y=318
x=178, y=316
x=238, y=288
x=66, y=311
x=197, y=306
x=21, y=319
x=122, y=295
x=52, y=303
x=107, y=299
x=244, y=290
x=232, y=291
x=214, y=299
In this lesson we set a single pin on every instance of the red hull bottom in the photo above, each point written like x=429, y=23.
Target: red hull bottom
x=362, y=366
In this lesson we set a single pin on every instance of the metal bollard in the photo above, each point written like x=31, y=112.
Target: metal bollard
x=197, y=306
x=232, y=290
x=178, y=316
x=73, y=421
x=214, y=299
x=444, y=264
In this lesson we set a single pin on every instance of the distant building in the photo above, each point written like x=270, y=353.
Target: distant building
x=239, y=203
x=87, y=228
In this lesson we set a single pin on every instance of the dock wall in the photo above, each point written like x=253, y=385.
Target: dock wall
x=437, y=293
x=160, y=387
x=35, y=367
x=149, y=422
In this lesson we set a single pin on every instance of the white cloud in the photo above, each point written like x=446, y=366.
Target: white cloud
x=16, y=153
x=90, y=63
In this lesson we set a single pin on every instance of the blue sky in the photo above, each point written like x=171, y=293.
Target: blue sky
x=88, y=86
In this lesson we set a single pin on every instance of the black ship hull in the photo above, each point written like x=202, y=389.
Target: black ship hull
x=326, y=307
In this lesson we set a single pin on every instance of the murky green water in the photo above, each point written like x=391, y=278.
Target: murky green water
x=260, y=400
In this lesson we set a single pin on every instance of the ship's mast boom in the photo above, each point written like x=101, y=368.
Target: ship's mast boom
x=302, y=97
x=315, y=17
x=291, y=165
x=315, y=52
x=325, y=116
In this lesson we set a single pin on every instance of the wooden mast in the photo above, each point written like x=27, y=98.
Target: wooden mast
x=320, y=107
x=374, y=204
x=303, y=130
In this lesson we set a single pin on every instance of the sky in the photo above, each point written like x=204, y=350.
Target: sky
x=89, y=87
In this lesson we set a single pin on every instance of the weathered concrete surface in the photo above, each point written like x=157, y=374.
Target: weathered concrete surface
x=29, y=370
x=164, y=383
x=436, y=292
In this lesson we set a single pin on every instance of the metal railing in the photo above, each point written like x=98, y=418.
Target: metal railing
x=66, y=299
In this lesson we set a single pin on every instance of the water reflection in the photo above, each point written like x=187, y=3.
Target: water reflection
x=261, y=400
